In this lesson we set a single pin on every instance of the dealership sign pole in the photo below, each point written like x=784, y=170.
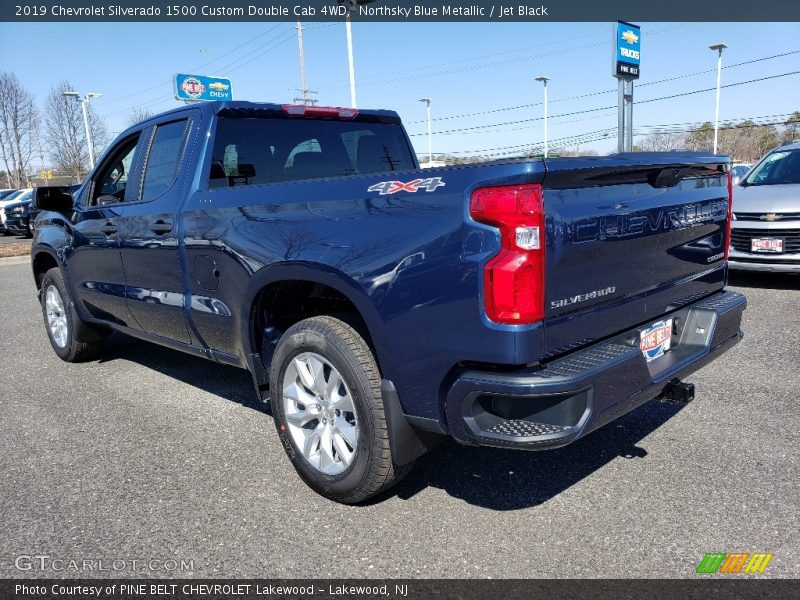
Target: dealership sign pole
x=625, y=67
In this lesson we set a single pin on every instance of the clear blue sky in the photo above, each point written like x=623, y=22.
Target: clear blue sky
x=464, y=68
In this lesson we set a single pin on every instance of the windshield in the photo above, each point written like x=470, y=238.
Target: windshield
x=739, y=170
x=781, y=166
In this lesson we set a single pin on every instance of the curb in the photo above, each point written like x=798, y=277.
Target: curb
x=15, y=260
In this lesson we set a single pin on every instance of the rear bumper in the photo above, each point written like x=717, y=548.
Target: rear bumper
x=579, y=392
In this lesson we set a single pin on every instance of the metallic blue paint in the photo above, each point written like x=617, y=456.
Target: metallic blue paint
x=411, y=263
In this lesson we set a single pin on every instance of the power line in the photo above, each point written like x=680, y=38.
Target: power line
x=158, y=85
x=671, y=96
x=609, y=91
x=161, y=100
x=662, y=129
x=424, y=72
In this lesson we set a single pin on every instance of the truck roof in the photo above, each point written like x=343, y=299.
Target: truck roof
x=242, y=108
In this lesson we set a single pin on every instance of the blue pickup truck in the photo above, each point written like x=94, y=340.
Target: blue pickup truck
x=380, y=307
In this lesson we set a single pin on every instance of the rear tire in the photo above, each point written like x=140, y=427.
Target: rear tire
x=59, y=323
x=328, y=409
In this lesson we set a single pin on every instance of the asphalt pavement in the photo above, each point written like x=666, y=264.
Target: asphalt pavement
x=150, y=454
x=14, y=239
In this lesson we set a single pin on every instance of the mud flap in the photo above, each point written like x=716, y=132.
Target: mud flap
x=405, y=442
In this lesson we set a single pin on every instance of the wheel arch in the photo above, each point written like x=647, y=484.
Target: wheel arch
x=44, y=258
x=313, y=274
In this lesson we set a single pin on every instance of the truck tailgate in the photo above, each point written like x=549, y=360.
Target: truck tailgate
x=629, y=237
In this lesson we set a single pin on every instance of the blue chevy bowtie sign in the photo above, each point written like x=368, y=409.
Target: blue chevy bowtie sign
x=627, y=51
x=202, y=87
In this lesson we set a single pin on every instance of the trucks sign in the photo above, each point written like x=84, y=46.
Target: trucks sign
x=627, y=43
x=191, y=88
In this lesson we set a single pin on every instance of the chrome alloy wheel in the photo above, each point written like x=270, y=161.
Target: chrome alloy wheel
x=319, y=412
x=56, y=316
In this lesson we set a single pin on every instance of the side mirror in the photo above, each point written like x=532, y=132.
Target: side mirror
x=57, y=198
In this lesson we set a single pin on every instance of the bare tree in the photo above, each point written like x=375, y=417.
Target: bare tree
x=65, y=134
x=575, y=151
x=18, y=128
x=662, y=142
x=701, y=138
x=791, y=129
x=137, y=115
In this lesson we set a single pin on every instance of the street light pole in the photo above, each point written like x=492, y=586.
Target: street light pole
x=430, y=134
x=544, y=80
x=83, y=102
x=349, y=28
x=719, y=48
x=89, y=141
x=352, y=6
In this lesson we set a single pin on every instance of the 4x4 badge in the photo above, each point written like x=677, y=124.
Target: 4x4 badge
x=392, y=187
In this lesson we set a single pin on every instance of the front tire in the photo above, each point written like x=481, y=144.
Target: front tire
x=59, y=322
x=328, y=409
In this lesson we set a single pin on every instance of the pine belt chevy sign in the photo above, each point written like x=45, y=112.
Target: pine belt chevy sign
x=628, y=41
x=191, y=88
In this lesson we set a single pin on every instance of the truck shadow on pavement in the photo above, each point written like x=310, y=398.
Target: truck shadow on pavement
x=488, y=477
x=512, y=479
x=221, y=380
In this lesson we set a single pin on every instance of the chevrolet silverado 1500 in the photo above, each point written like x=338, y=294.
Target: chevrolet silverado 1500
x=379, y=307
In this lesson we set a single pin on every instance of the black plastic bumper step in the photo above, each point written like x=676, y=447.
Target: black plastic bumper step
x=523, y=428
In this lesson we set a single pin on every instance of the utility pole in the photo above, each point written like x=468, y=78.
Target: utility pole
x=718, y=48
x=544, y=80
x=303, y=82
x=427, y=101
x=84, y=101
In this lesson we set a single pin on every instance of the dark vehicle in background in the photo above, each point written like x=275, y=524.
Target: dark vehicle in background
x=379, y=307
x=5, y=193
x=765, y=233
x=8, y=199
x=16, y=214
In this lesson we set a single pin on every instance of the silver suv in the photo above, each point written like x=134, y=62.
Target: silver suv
x=765, y=234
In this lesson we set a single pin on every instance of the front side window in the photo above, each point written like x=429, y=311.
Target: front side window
x=111, y=183
x=781, y=166
x=163, y=158
x=252, y=151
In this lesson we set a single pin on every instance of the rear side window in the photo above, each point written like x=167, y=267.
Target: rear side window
x=253, y=151
x=163, y=158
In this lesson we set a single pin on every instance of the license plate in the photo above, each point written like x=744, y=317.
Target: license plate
x=766, y=245
x=655, y=340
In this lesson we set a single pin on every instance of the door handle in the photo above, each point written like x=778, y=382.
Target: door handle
x=109, y=229
x=161, y=227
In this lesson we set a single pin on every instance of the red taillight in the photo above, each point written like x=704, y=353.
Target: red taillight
x=331, y=112
x=730, y=215
x=513, y=281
